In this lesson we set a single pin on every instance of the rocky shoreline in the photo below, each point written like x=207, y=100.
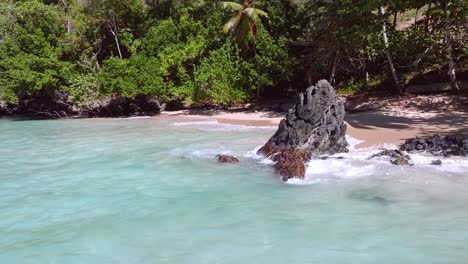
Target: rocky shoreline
x=58, y=105
x=437, y=145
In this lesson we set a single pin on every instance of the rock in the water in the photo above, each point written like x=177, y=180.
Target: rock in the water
x=397, y=157
x=436, y=162
x=227, y=159
x=290, y=165
x=438, y=145
x=313, y=127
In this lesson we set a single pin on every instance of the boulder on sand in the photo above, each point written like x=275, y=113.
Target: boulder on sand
x=314, y=126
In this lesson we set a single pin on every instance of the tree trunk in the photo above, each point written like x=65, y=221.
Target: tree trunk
x=333, y=70
x=67, y=12
x=428, y=17
x=387, y=52
x=448, y=44
x=395, y=16
x=416, y=16
x=117, y=42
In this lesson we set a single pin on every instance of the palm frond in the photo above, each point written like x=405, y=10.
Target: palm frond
x=231, y=5
x=232, y=23
x=261, y=13
x=254, y=14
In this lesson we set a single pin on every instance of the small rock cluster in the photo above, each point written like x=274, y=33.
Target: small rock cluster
x=438, y=145
x=397, y=157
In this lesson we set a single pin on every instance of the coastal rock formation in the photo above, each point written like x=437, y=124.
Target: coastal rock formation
x=58, y=105
x=227, y=159
x=4, y=110
x=118, y=106
x=46, y=106
x=313, y=127
x=438, y=145
x=397, y=157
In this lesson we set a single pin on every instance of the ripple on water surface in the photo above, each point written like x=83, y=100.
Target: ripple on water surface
x=150, y=191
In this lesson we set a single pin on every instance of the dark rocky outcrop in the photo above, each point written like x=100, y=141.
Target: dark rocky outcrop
x=438, y=145
x=46, y=106
x=118, y=106
x=313, y=127
x=227, y=159
x=4, y=108
x=58, y=105
x=397, y=157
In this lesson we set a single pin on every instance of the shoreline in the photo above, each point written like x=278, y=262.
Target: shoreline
x=391, y=124
x=373, y=128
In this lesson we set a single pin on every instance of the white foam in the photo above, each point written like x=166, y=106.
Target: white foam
x=137, y=117
x=356, y=164
x=259, y=158
x=197, y=123
x=214, y=125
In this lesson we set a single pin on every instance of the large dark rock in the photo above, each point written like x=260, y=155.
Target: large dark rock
x=313, y=127
x=116, y=106
x=438, y=145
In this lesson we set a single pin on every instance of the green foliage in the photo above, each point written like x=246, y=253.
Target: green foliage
x=31, y=52
x=177, y=50
x=272, y=61
x=223, y=77
x=138, y=75
x=84, y=89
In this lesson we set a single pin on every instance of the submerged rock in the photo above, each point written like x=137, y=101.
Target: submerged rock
x=436, y=162
x=313, y=127
x=227, y=159
x=438, y=145
x=397, y=157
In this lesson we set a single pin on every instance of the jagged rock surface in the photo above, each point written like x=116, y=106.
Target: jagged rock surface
x=438, y=145
x=397, y=157
x=313, y=127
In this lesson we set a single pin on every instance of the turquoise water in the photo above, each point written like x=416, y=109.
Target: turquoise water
x=150, y=191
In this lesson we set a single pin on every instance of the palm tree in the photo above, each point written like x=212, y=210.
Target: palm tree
x=243, y=22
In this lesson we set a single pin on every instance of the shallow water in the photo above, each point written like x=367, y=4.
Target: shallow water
x=150, y=191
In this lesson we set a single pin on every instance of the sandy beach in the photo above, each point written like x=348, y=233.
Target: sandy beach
x=377, y=127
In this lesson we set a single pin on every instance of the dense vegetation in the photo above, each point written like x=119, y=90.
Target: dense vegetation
x=210, y=52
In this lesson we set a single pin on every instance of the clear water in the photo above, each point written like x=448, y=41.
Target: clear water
x=150, y=191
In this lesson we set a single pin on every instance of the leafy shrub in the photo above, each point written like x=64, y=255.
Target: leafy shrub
x=31, y=51
x=137, y=75
x=84, y=89
x=221, y=77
